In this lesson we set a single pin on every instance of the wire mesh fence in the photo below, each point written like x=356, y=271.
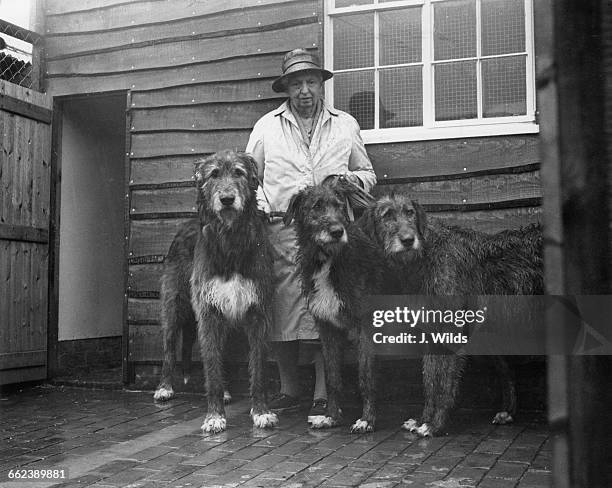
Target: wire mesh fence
x=18, y=55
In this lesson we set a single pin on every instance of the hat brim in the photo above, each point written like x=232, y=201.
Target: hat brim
x=280, y=84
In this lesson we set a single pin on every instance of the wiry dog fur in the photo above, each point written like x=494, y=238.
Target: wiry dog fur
x=338, y=266
x=437, y=259
x=219, y=269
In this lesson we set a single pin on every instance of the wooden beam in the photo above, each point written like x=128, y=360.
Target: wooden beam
x=25, y=109
x=23, y=233
x=570, y=78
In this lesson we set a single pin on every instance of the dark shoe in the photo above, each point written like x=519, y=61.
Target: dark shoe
x=318, y=409
x=284, y=402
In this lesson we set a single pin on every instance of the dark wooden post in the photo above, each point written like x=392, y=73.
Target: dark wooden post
x=571, y=95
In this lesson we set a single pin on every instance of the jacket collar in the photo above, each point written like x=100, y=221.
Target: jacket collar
x=285, y=111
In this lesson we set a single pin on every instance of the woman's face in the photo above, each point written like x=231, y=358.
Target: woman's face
x=304, y=89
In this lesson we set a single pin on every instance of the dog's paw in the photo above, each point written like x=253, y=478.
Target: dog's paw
x=163, y=394
x=410, y=425
x=214, y=423
x=227, y=398
x=322, y=421
x=264, y=420
x=502, y=418
x=361, y=427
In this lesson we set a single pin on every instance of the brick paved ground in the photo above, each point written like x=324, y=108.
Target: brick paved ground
x=122, y=439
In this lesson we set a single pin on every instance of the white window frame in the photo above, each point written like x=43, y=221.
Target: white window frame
x=431, y=129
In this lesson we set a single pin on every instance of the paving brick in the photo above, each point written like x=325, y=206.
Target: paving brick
x=466, y=475
x=506, y=470
x=497, y=483
x=221, y=466
x=349, y=476
x=206, y=458
x=250, y=453
x=480, y=460
x=536, y=479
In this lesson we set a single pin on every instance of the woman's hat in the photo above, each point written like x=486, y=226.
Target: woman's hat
x=299, y=60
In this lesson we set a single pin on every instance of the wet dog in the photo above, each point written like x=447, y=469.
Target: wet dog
x=437, y=259
x=338, y=267
x=219, y=272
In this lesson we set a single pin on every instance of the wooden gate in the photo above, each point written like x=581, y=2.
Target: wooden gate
x=25, y=172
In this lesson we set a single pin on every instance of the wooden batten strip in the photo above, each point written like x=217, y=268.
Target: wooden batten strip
x=163, y=215
x=25, y=109
x=79, y=6
x=469, y=207
x=23, y=233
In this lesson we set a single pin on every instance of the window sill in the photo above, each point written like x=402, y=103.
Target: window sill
x=407, y=134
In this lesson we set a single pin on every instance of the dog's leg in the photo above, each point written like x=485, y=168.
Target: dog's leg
x=441, y=377
x=260, y=413
x=367, y=366
x=506, y=377
x=170, y=326
x=189, y=334
x=211, y=332
x=332, y=356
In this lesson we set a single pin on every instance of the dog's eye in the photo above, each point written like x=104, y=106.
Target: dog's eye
x=239, y=173
x=388, y=213
x=409, y=212
x=318, y=205
x=213, y=173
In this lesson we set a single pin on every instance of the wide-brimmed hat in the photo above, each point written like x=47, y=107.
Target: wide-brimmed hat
x=299, y=60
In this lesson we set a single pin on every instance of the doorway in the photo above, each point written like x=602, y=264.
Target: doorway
x=91, y=262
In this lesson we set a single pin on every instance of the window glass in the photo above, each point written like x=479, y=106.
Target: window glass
x=503, y=26
x=354, y=41
x=354, y=93
x=400, y=36
x=455, y=86
x=504, y=87
x=401, y=97
x=455, y=29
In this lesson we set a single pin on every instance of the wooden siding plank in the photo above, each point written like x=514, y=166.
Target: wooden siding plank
x=152, y=237
x=55, y=7
x=238, y=91
x=218, y=25
x=175, y=143
x=145, y=277
x=452, y=157
x=249, y=67
x=166, y=200
x=212, y=116
x=174, y=169
x=186, y=52
x=482, y=189
x=23, y=359
x=128, y=14
x=143, y=310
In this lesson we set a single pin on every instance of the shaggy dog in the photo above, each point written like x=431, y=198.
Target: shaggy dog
x=338, y=266
x=219, y=269
x=437, y=259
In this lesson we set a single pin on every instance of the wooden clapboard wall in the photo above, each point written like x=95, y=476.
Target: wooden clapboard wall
x=199, y=73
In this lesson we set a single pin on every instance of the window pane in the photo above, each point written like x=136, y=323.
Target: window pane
x=354, y=93
x=400, y=36
x=503, y=26
x=401, y=97
x=504, y=87
x=350, y=3
x=455, y=29
x=354, y=41
x=455, y=85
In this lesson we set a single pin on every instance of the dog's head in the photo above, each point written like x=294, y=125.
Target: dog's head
x=227, y=182
x=397, y=224
x=320, y=215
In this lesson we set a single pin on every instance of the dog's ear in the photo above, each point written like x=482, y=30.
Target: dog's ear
x=367, y=221
x=421, y=217
x=198, y=173
x=294, y=208
x=250, y=162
